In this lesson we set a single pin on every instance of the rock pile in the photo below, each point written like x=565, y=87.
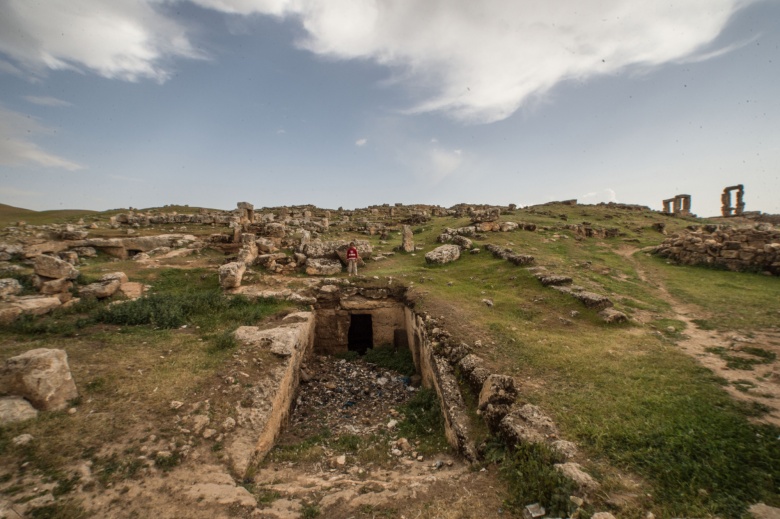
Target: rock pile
x=348, y=397
x=755, y=248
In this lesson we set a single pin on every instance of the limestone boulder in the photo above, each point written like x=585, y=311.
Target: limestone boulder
x=473, y=368
x=36, y=305
x=462, y=242
x=49, y=247
x=322, y=267
x=443, y=254
x=9, y=287
x=276, y=230
x=498, y=390
x=54, y=268
x=42, y=376
x=575, y=472
x=55, y=286
x=132, y=289
x=610, y=315
x=9, y=312
x=101, y=289
x=230, y=274
x=265, y=246
x=16, y=409
x=119, y=276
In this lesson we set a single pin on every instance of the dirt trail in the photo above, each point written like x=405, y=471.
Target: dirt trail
x=759, y=386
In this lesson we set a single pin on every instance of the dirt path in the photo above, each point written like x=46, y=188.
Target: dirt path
x=752, y=379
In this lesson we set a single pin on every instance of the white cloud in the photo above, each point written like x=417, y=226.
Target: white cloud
x=122, y=39
x=47, y=101
x=475, y=61
x=17, y=149
x=361, y=142
x=607, y=195
x=480, y=61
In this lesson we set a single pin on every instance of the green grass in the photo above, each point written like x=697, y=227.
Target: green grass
x=389, y=357
x=756, y=356
x=529, y=473
x=652, y=410
x=423, y=422
x=734, y=300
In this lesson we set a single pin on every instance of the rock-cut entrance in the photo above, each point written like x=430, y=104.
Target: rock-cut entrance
x=361, y=333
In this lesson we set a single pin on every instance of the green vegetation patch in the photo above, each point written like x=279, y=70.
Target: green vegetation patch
x=531, y=477
x=744, y=357
x=390, y=357
x=423, y=421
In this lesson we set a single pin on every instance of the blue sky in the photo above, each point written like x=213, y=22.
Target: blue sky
x=345, y=103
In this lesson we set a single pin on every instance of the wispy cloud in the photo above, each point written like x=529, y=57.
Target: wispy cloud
x=361, y=142
x=47, y=101
x=121, y=39
x=17, y=148
x=480, y=61
x=606, y=195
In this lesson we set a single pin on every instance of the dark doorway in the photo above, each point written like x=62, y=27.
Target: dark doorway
x=361, y=333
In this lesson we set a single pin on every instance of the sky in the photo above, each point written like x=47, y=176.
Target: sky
x=351, y=103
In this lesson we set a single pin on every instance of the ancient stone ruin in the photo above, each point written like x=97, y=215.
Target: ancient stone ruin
x=753, y=248
x=680, y=205
x=726, y=208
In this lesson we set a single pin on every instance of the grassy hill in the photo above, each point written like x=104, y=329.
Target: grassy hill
x=10, y=215
x=672, y=411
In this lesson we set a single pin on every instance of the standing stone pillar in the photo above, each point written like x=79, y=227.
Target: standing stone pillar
x=407, y=240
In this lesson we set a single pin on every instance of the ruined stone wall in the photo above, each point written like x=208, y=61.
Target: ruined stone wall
x=754, y=248
x=261, y=424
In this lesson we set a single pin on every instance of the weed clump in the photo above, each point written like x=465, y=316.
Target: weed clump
x=531, y=476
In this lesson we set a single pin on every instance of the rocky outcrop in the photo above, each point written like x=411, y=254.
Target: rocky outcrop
x=755, y=249
x=42, y=376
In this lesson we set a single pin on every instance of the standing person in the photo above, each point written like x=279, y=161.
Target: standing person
x=352, y=259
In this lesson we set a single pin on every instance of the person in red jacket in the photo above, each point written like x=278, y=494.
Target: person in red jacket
x=352, y=259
